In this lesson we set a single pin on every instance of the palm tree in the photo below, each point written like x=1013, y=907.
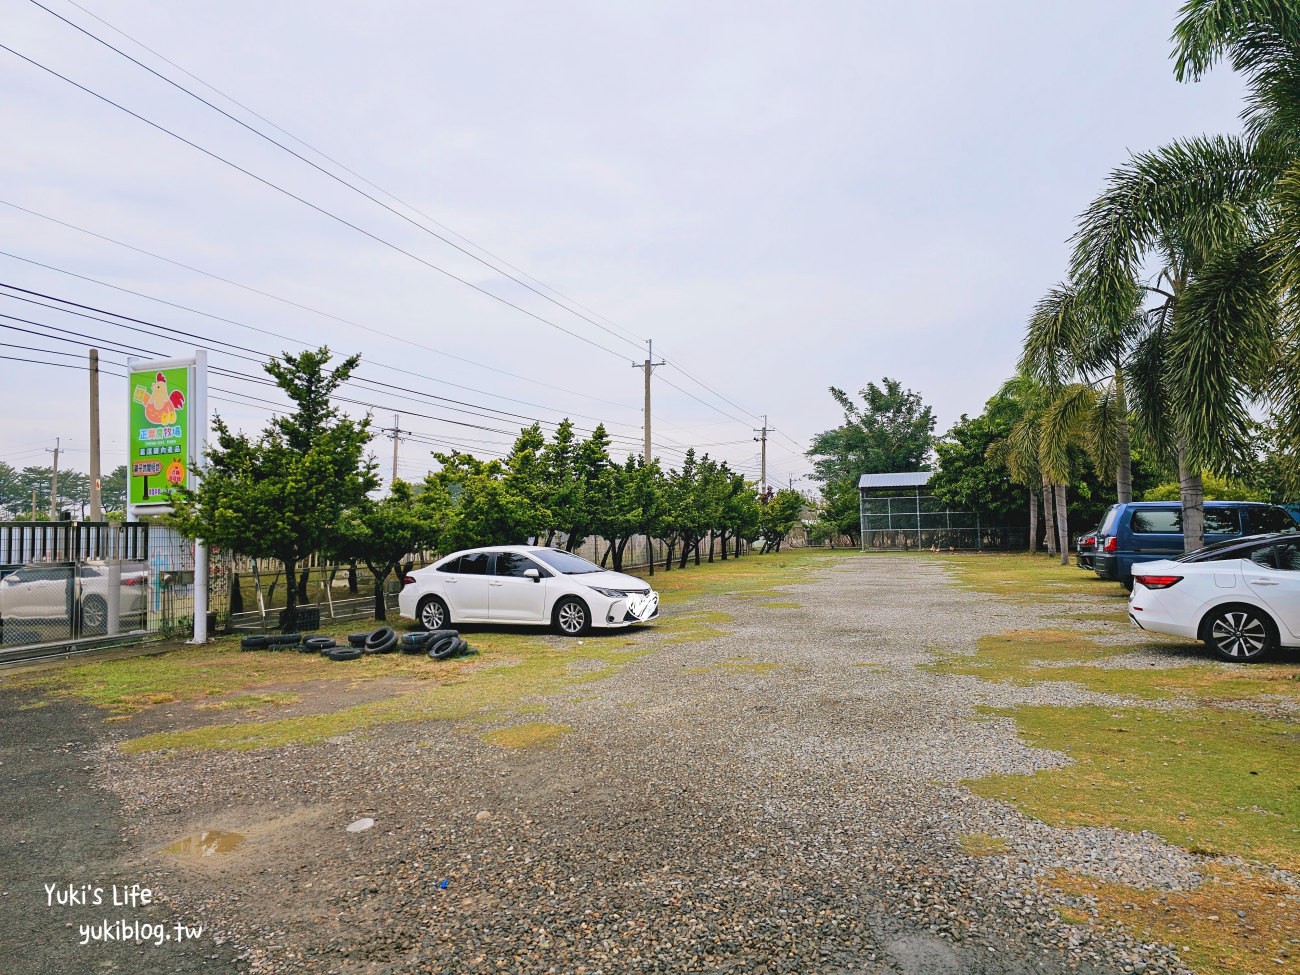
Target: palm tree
x=1261, y=41
x=1197, y=209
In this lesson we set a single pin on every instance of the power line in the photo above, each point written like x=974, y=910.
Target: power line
x=307, y=203
x=326, y=172
x=260, y=134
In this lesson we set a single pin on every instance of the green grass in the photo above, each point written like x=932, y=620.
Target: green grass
x=1026, y=578
x=982, y=845
x=536, y=734
x=1208, y=779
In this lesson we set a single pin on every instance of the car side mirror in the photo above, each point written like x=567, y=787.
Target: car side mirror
x=532, y=574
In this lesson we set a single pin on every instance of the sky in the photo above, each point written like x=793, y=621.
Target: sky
x=783, y=197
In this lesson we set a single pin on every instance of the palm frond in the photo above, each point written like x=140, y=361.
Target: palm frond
x=1064, y=422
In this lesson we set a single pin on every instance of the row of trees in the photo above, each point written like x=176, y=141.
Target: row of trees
x=304, y=486
x=18, y=486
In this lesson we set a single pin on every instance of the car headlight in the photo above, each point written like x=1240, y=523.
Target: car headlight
x=611, y=593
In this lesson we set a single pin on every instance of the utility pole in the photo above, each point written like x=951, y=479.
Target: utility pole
x=54, y=483
x=395, y=431
x=649, y=367
x=96, y=509
x=762, y=437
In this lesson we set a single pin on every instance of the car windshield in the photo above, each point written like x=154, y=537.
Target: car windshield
x=566, y=564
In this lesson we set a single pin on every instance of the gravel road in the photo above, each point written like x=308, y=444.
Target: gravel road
x=704, y=814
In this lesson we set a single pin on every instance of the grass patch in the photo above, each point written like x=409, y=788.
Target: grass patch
x=1026, y=578
x=1237, y=922
x=695, y=627
x=538, y=734
x=1210, y=780
x=982, y=844
x=1033, y=656
x=250, y=702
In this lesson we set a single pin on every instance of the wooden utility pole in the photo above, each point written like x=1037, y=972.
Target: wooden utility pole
x=649, y=367
x=54, y=483
x=96, y=508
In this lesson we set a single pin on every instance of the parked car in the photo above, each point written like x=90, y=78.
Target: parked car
x=45, y=594
x=1145, y=531
x=525, y=584
x=1242, y=596
x=1085, y=548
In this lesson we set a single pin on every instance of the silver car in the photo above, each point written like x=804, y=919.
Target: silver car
x=43, y=596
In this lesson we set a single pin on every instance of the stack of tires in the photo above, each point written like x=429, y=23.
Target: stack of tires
x=438, y=644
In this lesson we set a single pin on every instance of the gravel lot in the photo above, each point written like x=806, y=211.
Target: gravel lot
x=702, y=815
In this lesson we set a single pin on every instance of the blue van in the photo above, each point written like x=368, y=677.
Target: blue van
x=1144, y=531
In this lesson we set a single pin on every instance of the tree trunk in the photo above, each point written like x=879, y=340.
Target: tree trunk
x=1033, y=521
x=550, y=536
x=1193, y=492
x=236, y=595
x=712, y=542
x=381, y=611
x=698, y=543
x=686, y=552
x=1123, y=446
x=290, y=592
x=609, y=548
x=352, y=577
x=1062, y=525
x=724, y=547
x=302, y=583
x=738, y=540
x=1049, y=515
x=618, y=552
x=668, y=561
x=650, y=553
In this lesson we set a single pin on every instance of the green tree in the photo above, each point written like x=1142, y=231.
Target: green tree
x=891, y=431
x=283, y=493
x=382, y=533
x=778, y=517
x=488, y=507
x=840, y=513
x=112, y=492
x=968, y=479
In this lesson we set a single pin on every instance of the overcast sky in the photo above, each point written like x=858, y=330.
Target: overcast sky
x=784, y=197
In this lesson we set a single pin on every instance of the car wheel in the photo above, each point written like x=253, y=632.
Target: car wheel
x=432, y=613
x=94, y=616
x=571, y=617
x=1239, y=634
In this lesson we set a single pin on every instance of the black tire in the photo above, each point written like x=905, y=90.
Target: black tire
x=357, y=639
x=443, y=647
x=1239, y=634
x=415, y=642
x=285, y=640
x=382, y=640
x=254, y=643
x=318, y=643
x=461, y=647
x=571, y=617
x=343, y=653
x=94, y=616
x=432, y=613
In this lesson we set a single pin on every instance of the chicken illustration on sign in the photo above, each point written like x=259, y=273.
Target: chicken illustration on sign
x=159, y=405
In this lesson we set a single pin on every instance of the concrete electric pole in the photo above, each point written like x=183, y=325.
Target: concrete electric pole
x=395, y=431
x=96, y=507
x=762, y=438
x=649, y=367
x=54, y=483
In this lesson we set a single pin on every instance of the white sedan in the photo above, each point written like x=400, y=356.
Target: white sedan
x=1242, y=597
x=524, y=584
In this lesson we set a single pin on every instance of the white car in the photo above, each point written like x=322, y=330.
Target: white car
x=1242, y=596
x=524, y=584
x=43, y=594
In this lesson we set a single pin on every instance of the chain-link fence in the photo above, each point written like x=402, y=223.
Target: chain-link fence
x=922, y=522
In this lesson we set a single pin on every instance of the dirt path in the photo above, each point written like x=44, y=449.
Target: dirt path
x=784, y=798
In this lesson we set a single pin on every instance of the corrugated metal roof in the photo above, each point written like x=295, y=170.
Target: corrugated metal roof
x=909, y=479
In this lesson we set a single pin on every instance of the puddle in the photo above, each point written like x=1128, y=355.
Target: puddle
x=205, y=844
